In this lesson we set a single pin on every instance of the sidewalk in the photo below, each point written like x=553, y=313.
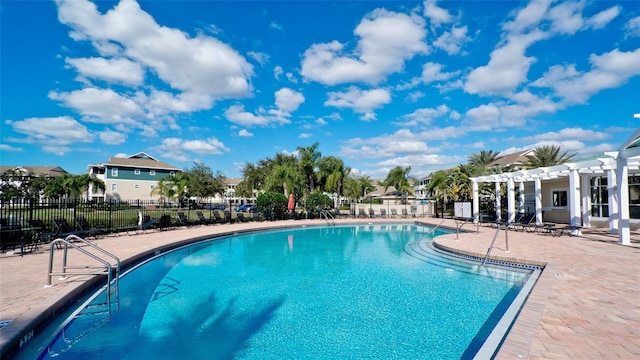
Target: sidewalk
x=585, y=304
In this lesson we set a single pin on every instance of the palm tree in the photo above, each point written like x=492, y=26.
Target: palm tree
x=547, y=155
x=85, y=182
x=398, y=178
x=285, y=178
x=482, y=160
x=308, y=161
x=333, y=171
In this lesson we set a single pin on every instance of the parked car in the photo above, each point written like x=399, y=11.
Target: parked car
x=214, y=207
x=247, y=208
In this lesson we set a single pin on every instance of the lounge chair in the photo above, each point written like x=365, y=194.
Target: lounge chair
x=490, y=220
x=383, y=213
x=203, y=219
x=394, y=213
x=87, y=229
x=405, y=214
x=165, y=223
x=361, y=213
x=184, y=220
x=372, y=213
x=64, y=229
x=524, y=222
x=219, y=216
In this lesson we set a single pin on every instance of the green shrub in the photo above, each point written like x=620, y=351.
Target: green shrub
x=272, y=204
x=318, y=201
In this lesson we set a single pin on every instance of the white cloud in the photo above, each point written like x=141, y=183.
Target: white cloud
x=452, y=41
x=386, y=40
x=425, y=116
x=277, y=71
x=100, y=105
x=201, y=64
x=259, y=57
x=304, y=136
x=245, y=133
x=111, y=137
x=176, y=148
x=237, y=115
x=432, y=72
x=567, y=134
x=602, y=18
x=608, y=70
x=632, y=27
x=118, y=70
x=507, y=68
x=52, y=131
x=5, y=147
x=359, y=101
x=402, y=141
x=436, y=14
x=288, y=100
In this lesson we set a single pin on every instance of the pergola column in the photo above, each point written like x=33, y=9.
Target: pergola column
x=498, y=201
x=574, y=200
x=612, y=190
x=537, y=187
x=511, y=200
x=586, y=201
x=622, y=175
x=476, y=203
x=521, y=197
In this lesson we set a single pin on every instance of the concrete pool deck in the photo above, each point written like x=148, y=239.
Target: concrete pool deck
x=585, y=304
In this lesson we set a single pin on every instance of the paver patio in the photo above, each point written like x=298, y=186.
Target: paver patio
x=585, y=304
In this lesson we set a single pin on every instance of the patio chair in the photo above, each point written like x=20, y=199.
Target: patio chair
x=383, y=213
x=184, y=220
x=219, y=216
x=204, y=220
x=361, y=213
x=64, y=229
x=523, y=223
x=90, y=231
x=165, y=223
x=394, y=213
x=405, y=214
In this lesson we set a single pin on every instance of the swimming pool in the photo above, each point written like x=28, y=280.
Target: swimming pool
x=363, y=291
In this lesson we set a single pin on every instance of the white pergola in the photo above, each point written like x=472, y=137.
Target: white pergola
x=616, y=166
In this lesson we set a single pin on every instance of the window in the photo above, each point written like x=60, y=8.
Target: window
x=172, y=174
x=114, y=187
x=599, y=197
x=559, y=198
x=152, y=172
x=152, y=186
x=136, y=186
x=114, y=172
x=634, y=197
x=136, y=171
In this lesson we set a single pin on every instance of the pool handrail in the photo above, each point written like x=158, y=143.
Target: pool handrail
x=69, y=241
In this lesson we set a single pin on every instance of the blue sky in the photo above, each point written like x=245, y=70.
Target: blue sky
x=379, y=84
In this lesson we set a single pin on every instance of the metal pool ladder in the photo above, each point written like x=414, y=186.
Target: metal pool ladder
x=327, y=215
x=495, y=236
x=83, y=246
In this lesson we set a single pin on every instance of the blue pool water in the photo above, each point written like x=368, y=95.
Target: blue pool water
x=312, y=293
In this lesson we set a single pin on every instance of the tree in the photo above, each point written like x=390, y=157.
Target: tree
x=547, y=155
x=333, y=173
x=203, y=183
x=308, y=159
x=483, y=159
x=82, y=184
x=398, y=178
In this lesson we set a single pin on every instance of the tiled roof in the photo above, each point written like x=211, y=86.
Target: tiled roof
x=50, y=171
x=513, y=159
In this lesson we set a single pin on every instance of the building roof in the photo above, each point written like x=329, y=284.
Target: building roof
x=515, y=159
x=49, y=171
x=139, y=160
